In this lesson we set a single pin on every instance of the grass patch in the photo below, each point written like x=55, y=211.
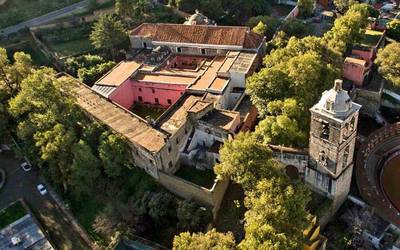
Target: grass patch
x=16, y=11
x=72, y=47
x=11, y=214
x=204, y=178
x=147, y=111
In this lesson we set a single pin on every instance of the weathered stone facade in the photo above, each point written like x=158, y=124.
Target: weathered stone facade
x=332, y=140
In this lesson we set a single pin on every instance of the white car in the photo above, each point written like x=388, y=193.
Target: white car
x=26, y=166
x=42, y=190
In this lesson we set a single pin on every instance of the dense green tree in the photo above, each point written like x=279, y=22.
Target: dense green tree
x=306, y=7
x=85, y=169
x=12, y=74
x=267, y=85
x=114, y=154
x=245, y=161
x=46, y=121
x=90, y=75
x=260, y=28
x=389, y=63
x=271, y=24
x=348, y=29
x=190, y=215
x=108, y=33
x=344, y=5
x=212, y=240
x=124, y=8
x=277, y=215
x=393, y=29
x=281, y=126
x=297, y=28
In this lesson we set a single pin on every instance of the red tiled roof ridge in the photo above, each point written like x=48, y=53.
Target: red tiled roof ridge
x=200, y=34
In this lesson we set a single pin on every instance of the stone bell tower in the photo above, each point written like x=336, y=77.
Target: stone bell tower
x=332, y=139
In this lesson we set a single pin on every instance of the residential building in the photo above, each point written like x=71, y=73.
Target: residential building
x=23, y=233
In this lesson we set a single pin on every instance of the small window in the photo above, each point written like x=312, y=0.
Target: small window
x=140, y=89
x=170, y=164
x=177, y=141
x=169, y=101
x=140, y=99
x=324, y=130
x=153, y=91
x=203, y=51
x=179, y=49
x=169, y=149
x=186, y=131
x=144, y=45
x=156, y=100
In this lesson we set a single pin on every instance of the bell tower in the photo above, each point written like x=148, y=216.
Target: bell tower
x=333, y=132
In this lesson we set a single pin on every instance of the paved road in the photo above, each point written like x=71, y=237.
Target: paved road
x=43, y=19
x=22, y=184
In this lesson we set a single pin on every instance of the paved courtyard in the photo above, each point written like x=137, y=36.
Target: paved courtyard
x=20, y=184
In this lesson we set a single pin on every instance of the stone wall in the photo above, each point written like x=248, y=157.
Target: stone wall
x=207, y=197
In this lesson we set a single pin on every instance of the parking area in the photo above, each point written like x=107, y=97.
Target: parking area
x=21, y=184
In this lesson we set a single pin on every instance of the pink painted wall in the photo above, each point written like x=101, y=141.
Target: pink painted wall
x=354, y=72
x=164, y=92
x=131, y=91
x=367, y=55
x=123, y=95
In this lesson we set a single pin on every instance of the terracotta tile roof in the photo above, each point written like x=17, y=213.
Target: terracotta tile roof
x=200, y=34
x=355, y=61
x=134, y=129
x=119, y=74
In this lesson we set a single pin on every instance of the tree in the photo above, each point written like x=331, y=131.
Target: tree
x=199, y=241
x=124, y=8
x=344, y=5
x=295, y=27
x=245, y=161
x=46, y=121
x=271, y=24
x=85, y=169
x=306, y=7
x=348, y=29
x=190, y=215
x=108, y=33
x=267, y=85
x=260, y=29
x=277, y=214
x=12, y=74
x=393, y=29
x=114, y=154
x=389, y=64
x=280, y=127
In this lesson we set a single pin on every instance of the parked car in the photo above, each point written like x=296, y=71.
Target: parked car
x=42, y=190
x=26, y=166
